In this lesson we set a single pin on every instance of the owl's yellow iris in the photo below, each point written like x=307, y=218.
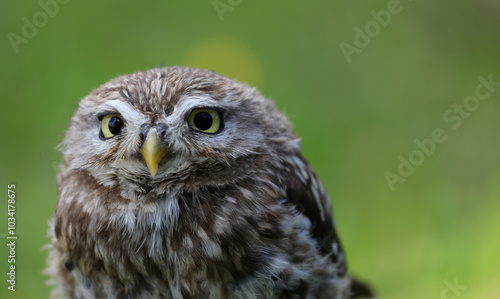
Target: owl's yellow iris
x=111, y=125
x=205, y=120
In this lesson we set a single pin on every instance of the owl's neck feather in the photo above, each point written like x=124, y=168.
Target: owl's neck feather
x=140, y=204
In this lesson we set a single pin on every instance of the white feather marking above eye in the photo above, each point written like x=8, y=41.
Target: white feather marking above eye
x=186, y=104
x=127, y=111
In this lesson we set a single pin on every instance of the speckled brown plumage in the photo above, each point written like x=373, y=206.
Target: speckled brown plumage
x=232, y=211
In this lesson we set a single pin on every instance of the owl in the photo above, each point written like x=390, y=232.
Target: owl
x=181, y=183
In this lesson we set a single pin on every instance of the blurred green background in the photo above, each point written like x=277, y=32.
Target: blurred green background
x=441, y=225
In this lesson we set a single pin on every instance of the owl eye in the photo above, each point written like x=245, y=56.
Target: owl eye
x=111, y=125
x=205, y=120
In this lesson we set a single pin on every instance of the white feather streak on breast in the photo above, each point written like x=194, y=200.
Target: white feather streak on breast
x=212, y=249
x=222, y=225
x=155, y=245
x=230, y=199
x=247, y=193
x=271, y=190
x=66, y=194
x=70, y=229
x=129, y=218
x=209, y=246
x=187, y=242
x=203, y=234
x=170, y=212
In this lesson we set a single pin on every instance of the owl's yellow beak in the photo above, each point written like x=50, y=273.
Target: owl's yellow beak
x=153, y=152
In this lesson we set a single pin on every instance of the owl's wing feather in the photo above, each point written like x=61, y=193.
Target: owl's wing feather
x=306, y=192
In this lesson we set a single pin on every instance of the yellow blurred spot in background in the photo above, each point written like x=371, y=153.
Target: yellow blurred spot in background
x=227, y=56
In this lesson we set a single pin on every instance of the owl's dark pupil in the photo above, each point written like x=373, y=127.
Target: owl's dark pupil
x=203, y=121
x=115, y=125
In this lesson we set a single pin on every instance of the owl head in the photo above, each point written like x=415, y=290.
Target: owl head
x=175, y=127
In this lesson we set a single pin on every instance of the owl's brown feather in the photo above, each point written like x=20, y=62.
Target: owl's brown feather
x=235, y=212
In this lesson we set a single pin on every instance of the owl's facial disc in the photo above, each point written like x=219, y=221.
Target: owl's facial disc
x=153, y=151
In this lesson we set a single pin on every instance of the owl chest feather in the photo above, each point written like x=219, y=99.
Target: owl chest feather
x=225, y=237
